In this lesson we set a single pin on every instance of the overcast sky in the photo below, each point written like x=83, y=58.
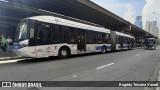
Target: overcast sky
x=129, y=9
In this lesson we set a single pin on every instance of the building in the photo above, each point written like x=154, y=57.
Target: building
x=154, y=23
x=155, y=31
x=138, y=21
x=151, y=27
x=148, y=26
x=159, y=38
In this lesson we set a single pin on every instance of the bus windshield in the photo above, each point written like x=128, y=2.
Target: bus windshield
x=150, y=42
x=21, y=31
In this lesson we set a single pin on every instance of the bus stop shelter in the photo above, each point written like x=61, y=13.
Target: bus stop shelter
x=12, y=11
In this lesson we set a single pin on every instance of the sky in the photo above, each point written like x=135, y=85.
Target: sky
x=129, y=9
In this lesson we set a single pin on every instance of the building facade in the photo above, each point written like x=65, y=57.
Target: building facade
x=138, y=21
x=148, y=27
x=151, y=27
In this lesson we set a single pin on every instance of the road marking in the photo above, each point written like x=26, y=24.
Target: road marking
x=137, y=54
x=10, y=61
x=74, y=76
x=105, y=66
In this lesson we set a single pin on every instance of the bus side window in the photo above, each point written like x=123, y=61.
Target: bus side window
x=91, y=37
x=67, y=34
x=99, y=37
x=104, y=39
x=56, y=33
x=125, y=40
x=75, y=35
x=129, y=42
x=108, y=38
x=44, y=33
x=117, y=40
x=32, y=33
x=120, y=40
x=32, y=37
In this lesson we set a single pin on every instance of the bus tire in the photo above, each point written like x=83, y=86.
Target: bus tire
x=103, y=50
x=64, y=52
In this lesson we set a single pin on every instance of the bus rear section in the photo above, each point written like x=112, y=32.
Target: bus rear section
x=121, y=41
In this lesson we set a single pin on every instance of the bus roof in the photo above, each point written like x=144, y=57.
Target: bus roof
x=150, y=38
x=65, y=22
x=125, y=35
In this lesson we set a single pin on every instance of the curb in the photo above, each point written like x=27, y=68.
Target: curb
x=9, y=58
x=158, y=79
x=154, y=77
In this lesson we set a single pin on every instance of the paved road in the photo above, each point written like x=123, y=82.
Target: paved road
x=132, y=65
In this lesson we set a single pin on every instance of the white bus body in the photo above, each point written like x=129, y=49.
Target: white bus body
x=44, y=36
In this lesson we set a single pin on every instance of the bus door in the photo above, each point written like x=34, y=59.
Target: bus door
x=32, y=40
x=81, y=42
x=122, y=41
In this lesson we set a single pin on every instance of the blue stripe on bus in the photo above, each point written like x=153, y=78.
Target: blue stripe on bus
x=108, y=47
x=125, y=46
x=119, y=47
x=100, y=47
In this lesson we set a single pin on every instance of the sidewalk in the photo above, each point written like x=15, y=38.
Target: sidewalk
x=7, y=55
x=158, y=78
x=155, y=77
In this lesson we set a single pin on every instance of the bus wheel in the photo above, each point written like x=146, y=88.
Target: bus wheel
x=63, y=53
x=103, y=49
x=154, y=48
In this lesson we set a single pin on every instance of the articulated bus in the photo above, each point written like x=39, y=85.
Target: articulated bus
x=45, y=36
